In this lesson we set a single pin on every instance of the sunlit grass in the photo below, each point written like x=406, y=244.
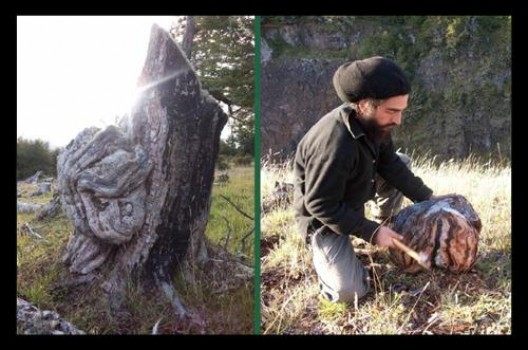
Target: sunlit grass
x=478, y=302
x=40, y=273
x=226, y=224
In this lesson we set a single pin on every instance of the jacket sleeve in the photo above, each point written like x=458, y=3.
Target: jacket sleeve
x=326, y=175
x=395, y=172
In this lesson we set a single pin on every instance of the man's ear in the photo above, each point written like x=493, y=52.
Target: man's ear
x=362, y=105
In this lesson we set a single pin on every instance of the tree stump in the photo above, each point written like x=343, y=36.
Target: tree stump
x=139, y=193
x=51, y=209
x=33, y=179
x=43, y=188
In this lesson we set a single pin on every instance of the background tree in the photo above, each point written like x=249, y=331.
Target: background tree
x=228, y=147
x=34, y=155
x=222, y=52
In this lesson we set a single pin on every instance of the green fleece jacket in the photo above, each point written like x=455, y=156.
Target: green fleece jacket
x=335, y=167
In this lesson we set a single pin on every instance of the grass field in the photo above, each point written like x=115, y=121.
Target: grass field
x=214, y=308
x=435, y=302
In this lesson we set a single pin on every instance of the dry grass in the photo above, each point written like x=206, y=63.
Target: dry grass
x=435, y=302
x=214, y=309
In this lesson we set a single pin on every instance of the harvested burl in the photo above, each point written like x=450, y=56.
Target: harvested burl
x=444, y=231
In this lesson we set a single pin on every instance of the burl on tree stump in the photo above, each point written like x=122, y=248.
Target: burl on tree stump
x=443, y=231
x=139, y=193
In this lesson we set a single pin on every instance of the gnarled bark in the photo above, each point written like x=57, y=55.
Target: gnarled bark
x=444, y=231
x=139, y=193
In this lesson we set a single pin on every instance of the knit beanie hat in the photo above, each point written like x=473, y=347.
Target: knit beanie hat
x=375, y=77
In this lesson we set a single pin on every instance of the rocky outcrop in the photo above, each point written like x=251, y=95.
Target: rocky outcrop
x=460, y=70
x=295, y=93
x=32, y=320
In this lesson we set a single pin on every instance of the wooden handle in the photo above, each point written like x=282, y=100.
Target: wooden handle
x=412, y=253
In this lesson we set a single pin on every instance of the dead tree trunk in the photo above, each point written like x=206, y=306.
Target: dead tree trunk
x=51, y=209
x=190, y=31
x=139, y=194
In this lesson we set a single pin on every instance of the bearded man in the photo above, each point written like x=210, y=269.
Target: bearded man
x=346, y=159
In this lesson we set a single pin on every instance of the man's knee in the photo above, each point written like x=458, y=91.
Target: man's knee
x=350, y=292
x=346, y=292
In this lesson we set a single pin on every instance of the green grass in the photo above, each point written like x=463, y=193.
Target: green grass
x=435, y=302
x=219, y=303
x=226, y=224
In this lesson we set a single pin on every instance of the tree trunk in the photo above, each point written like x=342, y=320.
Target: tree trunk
x=51, y=209
x=139, y=193
x=190, y=31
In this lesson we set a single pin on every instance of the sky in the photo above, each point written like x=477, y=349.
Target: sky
x=77, y=72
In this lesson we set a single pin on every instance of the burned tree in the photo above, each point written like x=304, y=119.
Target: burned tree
x=139, y=193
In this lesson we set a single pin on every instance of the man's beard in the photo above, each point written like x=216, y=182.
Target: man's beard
x=375, y=133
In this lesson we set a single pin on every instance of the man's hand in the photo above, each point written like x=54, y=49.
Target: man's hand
x=384, y=237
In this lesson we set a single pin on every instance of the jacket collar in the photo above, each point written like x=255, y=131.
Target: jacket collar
x=352, y=124
x=348, y=116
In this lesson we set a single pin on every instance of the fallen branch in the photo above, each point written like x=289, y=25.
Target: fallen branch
x=243, y=239
x=155, y=329
x=220, y=255
x=29, y=230
x=27, y=207
x=237, y=208
x=228, y=236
